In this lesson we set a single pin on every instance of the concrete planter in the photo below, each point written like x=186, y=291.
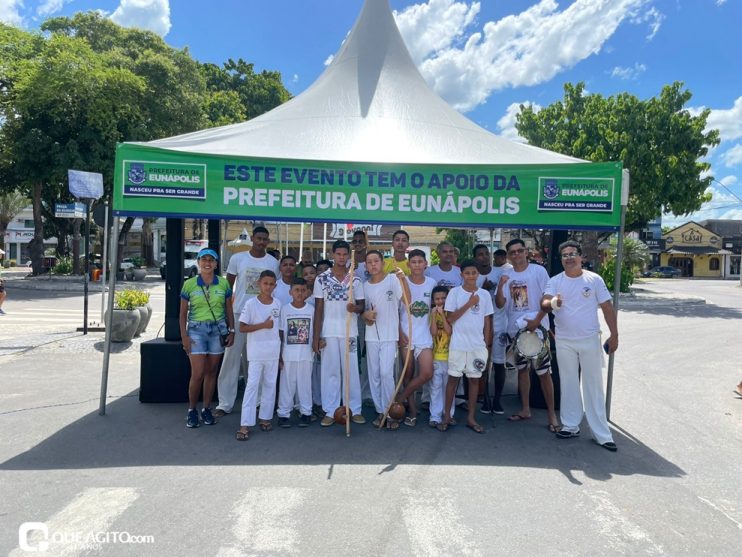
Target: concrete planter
x=145, y=314
x=139, y=274
x=124, y=324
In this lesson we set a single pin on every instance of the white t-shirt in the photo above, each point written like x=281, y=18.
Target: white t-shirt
x=500, y=317
x=421, y=299
x=445, y=278
x=362, y=273
x=384, y=297
x=523, y=292
x=247, y=269
x=282, y=292
x=297, y=326
x=468, y=330
x=263, y=344
x=335, y=295
x=578, y=316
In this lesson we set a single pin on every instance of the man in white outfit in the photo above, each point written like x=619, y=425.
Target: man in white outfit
x=574, y=296
x=243, y=274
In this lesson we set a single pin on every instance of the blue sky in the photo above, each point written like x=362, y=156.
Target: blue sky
x=507, y=52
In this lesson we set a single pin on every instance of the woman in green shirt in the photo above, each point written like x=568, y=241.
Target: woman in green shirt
x=206, y=328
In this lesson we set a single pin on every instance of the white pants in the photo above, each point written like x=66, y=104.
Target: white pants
x=296, y=379
x=363, y=362
x=333, y=375
x=438, y=391
x=316, y=381
x=262, y=375
x=380, y=359
x=229, y=374
x=585, y=355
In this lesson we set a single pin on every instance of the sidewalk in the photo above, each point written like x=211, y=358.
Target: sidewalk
x=19, y=277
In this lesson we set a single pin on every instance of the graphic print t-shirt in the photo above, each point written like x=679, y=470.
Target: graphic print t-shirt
x=420, y=300
x=335, y=294
x=296, y=324
x=523, y=293
x=247, y=269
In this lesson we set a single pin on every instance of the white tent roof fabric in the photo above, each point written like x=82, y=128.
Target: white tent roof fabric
x=370, y=105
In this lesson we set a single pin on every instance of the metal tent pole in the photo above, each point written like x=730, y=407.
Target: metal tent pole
x=625, y=183
x=109, y=317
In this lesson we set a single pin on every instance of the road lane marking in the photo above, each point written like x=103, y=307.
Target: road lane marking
x=265, y=522
x=93, y=510
x=435, y=525
x=621, y=532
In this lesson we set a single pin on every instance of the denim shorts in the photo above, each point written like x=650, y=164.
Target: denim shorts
x=204, y=336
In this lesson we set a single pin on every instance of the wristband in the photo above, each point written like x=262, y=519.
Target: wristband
x=553, y=303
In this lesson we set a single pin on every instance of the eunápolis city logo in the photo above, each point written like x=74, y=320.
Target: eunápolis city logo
x=164, y=179
x=575, y=194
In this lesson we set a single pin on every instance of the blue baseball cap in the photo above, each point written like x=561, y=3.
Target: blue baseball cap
x=207, y=251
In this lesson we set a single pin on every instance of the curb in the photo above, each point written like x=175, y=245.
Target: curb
x=75, y=284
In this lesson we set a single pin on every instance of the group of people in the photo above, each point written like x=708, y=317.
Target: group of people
x=366, y=312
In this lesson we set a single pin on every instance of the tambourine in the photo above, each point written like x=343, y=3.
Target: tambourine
x=529, y=345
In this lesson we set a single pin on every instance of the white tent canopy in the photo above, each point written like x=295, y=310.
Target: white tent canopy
x=370, y=105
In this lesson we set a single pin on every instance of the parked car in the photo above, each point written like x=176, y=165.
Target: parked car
x=190, y=269
x=662, y=272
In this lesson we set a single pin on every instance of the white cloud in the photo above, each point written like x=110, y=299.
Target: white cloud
x=152, y=15
x=629, y=73
x=721, y=2
x=728, y=122
x=506, y=124
x=329, y=59
x=653, y=17
x=434, y=26
x=295, y=78
x=49, y=7
x=729, y=181
x=10, y=12
x=465, y=65
x=733, y=156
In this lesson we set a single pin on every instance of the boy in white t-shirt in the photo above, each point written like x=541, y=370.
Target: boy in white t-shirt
x=468, y=309
x=260, y=320
x=243, y=273
x=419, y=340
x=382, y=295
x=296, y=356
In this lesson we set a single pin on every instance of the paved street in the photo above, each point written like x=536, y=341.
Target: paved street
x=673, y=488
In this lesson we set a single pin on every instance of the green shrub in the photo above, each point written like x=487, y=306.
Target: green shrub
x=131, y=298
x=608, y=272
x=63, y=266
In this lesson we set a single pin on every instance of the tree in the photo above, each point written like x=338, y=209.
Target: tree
x=11, y=204
x=236, y=93
x=461, y=238
x=659, y=141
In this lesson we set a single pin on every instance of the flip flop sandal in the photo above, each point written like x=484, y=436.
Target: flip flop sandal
x=242, y=435
x=518, y=418
x=266, y=426
x=476, y=428
x=412, y=422
x=553, y=428
x=442, y=427
x=392, y=425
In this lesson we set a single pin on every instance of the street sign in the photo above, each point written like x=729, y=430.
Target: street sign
x=85, y=185
x=69, y=210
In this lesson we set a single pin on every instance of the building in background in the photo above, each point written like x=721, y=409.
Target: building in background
x=697, y=251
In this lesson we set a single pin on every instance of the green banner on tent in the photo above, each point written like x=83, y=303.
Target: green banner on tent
x=156, y=182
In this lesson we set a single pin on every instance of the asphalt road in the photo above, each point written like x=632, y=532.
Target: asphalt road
x=673, y=488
